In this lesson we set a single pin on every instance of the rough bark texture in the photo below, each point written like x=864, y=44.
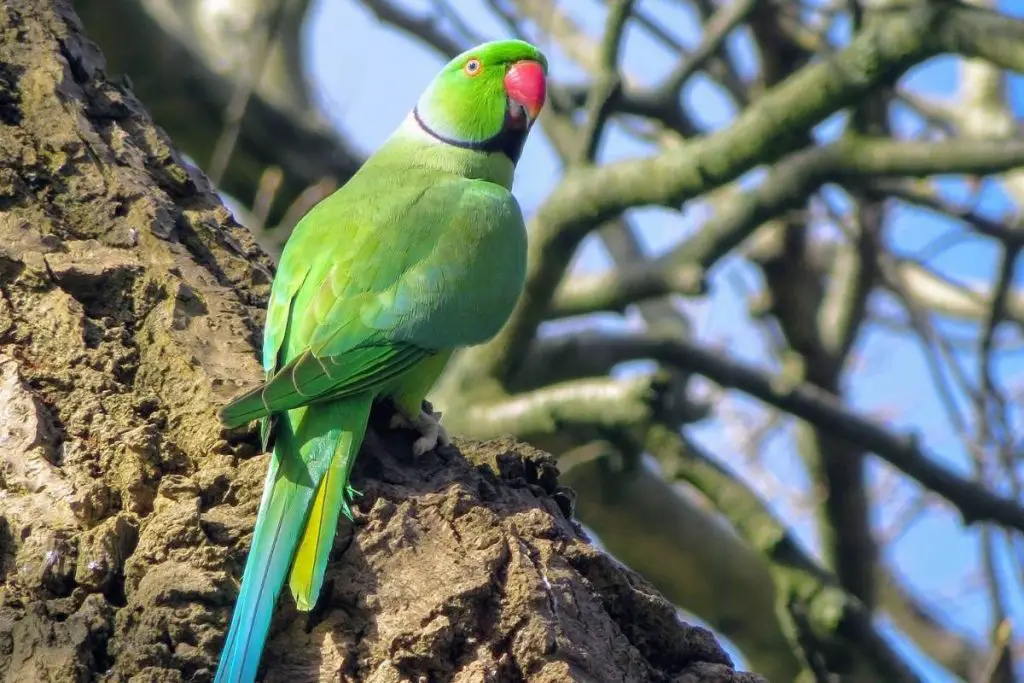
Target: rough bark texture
x=129, y=309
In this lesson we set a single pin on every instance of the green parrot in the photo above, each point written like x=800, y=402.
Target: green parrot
x=421, y=252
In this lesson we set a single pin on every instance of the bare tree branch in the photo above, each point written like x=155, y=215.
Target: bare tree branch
x=801, y=584
x=590, y=404
x=919, y=621
x=716, y=29
x=607, y=83
x=809, y=403
x=615, y=290
x=423, y=28
x=691, y=555
x=791, y=181
x=588, y=196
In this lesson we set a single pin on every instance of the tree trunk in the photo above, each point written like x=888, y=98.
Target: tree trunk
x=130, y=307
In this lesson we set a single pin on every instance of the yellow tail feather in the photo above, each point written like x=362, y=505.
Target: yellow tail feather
x=310, y=561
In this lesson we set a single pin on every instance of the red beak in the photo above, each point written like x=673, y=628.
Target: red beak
x=526, y=85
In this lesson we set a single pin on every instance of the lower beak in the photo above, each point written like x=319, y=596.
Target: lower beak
x=520, y=115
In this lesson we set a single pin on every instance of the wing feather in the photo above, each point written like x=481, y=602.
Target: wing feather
x=383, y=291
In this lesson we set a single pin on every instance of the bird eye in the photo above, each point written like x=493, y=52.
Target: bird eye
x=472, y=67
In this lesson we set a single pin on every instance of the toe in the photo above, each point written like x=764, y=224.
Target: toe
x=422, y=445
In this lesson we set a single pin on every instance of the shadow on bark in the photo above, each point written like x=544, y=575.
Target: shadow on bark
x=130, y=307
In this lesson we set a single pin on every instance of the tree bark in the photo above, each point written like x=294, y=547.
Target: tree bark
x=130, y=307
x=188, y=87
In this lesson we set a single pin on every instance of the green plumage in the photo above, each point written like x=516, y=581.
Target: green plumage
x=421, y=252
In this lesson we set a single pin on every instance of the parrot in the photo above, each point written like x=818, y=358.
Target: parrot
x=420, y=253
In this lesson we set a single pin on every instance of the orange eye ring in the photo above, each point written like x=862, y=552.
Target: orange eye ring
x=473, y=67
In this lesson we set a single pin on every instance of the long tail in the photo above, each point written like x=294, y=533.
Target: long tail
x=307, y=575
x=296, y=471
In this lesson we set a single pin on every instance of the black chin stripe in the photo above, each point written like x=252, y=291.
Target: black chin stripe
x=509, y=141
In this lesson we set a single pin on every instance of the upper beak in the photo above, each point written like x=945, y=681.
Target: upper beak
x=526, y=85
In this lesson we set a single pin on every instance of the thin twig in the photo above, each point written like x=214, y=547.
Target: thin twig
x=264, y=35
x=607, y=82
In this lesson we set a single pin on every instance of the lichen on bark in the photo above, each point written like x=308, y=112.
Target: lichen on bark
x=130, y=306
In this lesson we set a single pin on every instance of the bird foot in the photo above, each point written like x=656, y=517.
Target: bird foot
x=429, y=427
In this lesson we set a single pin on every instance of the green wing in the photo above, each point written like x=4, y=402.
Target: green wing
x=367, y=289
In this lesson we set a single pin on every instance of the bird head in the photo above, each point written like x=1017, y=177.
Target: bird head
x=487, y=98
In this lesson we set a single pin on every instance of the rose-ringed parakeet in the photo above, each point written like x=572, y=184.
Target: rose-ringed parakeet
x=422, y=251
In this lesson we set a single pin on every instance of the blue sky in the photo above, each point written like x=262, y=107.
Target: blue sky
x=367, y=76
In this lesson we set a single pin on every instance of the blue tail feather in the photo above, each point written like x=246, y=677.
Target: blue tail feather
x=291, y=481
